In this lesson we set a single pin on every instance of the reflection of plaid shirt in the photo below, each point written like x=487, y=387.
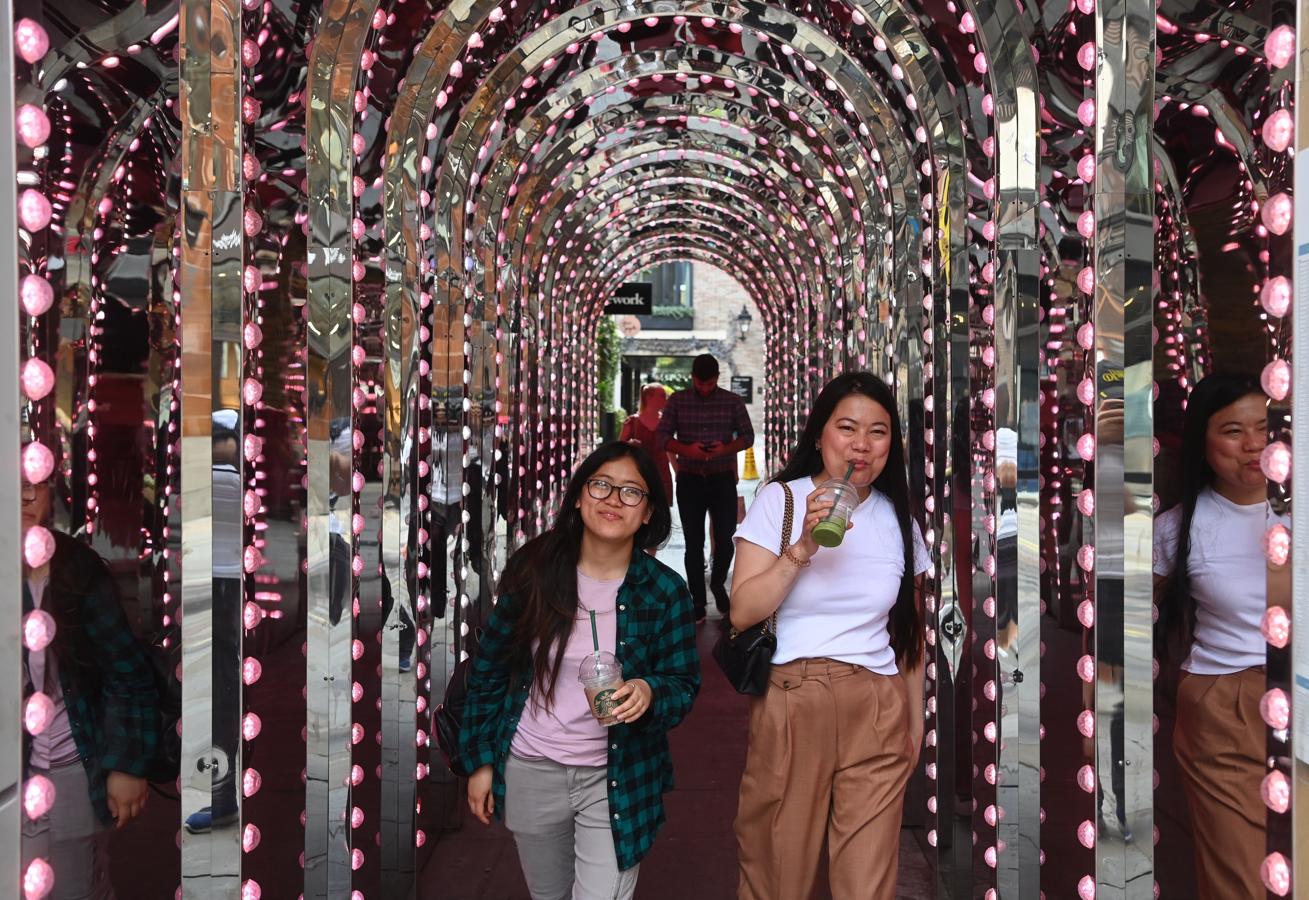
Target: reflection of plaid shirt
x=693, y=419
x=116, y=729
x=656, y=642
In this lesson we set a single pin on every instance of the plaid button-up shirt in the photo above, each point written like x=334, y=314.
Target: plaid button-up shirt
x=693, y=419
x=656, y=642
x=116, y=728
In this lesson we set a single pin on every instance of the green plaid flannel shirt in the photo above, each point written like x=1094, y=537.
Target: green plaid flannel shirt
x=116, y=729
x=656, y=642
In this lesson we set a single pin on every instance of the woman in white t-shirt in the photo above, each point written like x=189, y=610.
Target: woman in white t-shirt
x=1211, y=591
x=834, y=739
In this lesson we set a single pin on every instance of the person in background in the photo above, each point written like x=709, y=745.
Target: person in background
x=641, y=429
x=1212, y=590
x=98, y=743
x=705, y=427
x=833, y=740
x=584, y=801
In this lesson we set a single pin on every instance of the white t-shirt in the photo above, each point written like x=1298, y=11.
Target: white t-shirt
x=839, y=607
x=1228, y=578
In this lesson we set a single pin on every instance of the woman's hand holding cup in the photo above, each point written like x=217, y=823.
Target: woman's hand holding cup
x=817, y=507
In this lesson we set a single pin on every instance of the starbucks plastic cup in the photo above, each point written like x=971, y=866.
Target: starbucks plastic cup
x=601, y=675
x=831, y=530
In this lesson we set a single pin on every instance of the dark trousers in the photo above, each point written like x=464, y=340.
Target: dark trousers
x=696, y=496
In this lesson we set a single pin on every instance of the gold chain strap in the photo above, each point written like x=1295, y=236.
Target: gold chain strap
x=787, y=519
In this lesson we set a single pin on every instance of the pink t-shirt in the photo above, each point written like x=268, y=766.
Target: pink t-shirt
x=568, y=733
x=53, y=746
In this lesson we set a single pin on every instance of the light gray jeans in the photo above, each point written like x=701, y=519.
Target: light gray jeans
x=559, y=816
x=70, y=838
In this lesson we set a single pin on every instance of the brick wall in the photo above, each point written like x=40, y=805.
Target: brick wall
x=718, y=299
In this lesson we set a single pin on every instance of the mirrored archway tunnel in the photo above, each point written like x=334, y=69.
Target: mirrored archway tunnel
x=362, y=254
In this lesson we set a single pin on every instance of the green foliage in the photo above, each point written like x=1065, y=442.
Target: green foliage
x=610, y=355
x=673, y=312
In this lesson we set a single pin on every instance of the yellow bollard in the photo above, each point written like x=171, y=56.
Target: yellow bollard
x=751, y=473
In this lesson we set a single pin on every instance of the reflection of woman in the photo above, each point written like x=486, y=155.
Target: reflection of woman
x=1210, y=586
x=833, y=741
x=584, y=802
x=640, y=429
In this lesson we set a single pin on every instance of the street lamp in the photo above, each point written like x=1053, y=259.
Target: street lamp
x=743, y=320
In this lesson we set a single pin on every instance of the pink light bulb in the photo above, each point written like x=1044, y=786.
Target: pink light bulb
x=1276, y=873
x=250, y=837
x=251, y=615
x=250, y=890
x=1278, y=130
x=1276, y=791
x=1086, y=778
x=1086, y=502
x=1086, y=56
x=252, y=335
x=1086, y=888
x=252, y=559
x=251, y=279
x=253, y=446
x=1086, y=115
x=250, y=504
x=251, y=222
x=1086, y=165
x=251, y=670
x=990, y=856
x=357, y=650
x=990, y=773
x=251, y=782
x=989, y=815
x=1277, y=212
x=1086, y=279
x=251, y=725
x=356, y=775
x=1086, y=668
x=38, y=462
x=1276, y=379
x=1086, y=834
x=1277, y=545
x=1086, y=224
x=251, y=391
x=38, y=546
x=356, y=817
x=38, y=630
x=34, y=210
x=37, y=295
x=420, y=838
x=1086, y=336
x=38, y=880
x=1275, y=462
x=1086, y=391
x=38, y=796
x=38, y=713
x=1275, y=709
x=33, y=125
x=356, y=859
x=1280, y=46
x=1086, y=613
x=1275, y=295
x=1086, y=723
x=1086, y=446
x=38, y=378
x=31, y=42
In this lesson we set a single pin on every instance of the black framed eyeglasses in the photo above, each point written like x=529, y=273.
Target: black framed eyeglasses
x=599, y=489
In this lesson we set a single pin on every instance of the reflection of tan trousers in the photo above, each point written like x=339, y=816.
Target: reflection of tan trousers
x=1220, y=743
x=829, y=754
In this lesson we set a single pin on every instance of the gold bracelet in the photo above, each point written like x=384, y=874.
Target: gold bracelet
x=798, y=563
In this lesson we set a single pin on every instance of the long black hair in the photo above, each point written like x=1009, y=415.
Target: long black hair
x=1213, y=393
x=906, y=621
x=542, y=576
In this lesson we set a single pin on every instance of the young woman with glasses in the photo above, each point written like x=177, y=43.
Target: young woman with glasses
x=584, y=801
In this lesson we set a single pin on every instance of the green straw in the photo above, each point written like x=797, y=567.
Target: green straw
x=849, y=472
x=595, y=635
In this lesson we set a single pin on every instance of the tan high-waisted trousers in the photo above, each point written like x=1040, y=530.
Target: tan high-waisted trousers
x=1219, y=740
x=829, y=755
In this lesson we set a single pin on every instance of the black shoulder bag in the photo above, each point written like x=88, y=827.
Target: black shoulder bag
x=449, y=715
x=747, y=656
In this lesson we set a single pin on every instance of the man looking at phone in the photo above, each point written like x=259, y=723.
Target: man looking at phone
x=705, y=427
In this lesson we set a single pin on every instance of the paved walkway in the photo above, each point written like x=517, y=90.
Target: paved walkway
x=695, y=855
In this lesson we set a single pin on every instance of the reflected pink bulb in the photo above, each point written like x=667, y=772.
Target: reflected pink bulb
x=1276, y=214
x=251, y=616
x=357, y=650
x=1280, y=46
x=1276, y=379
x=356, y=733
x=356, y=817
x=250, y=109
x=1086, y=668
x=990, y=856
x=251, y=725
x=38, y=630
x=31, y=42
x=1086, y=502
x=1275, y=462
x=37, y=295
x=358, y=355
x=38, y=462
x=1086, y=279
x=252, y=559
x=988, y=230
x=38, y=796
x=1086, y=6
x=1086, y=557
x=251, y=670
x=250, y=837
x=1275, y=709
x=1086, y=336
x=1086, y=224
x=38, y=378
x=989, y=814
x=1086, y=723
x=988, y=104
x=356, y=692
x=1086, y=833
x=1278, y=130
x=1086, y=391
x=988, y=690
x=33, y=125
x=1086, y=56
x=249, y=53
x=1086, y=165
x=1276, y=873
x=250, y=504
x=990, y=773
x=1277, y=545
x=931, y=837
x=1086, y=115
x=1086, y=888
x=1086, y=613
x=252, y=335
x=252, y=222
x=251, y=781
x=38, y=880
x=988, y=356
x=1086, y=446
x=356, y=775
x=250, y=890
x=34, y=210
x=967, y=24
x=253, y=446
x=38, y=713
x=250, y=279
x=1276, y=791
x=356, y=859
x=420, y=838
x=1276, y=626
x=1086, y=778
x=252, y=391
x=1275, y=295
x=38, y=546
